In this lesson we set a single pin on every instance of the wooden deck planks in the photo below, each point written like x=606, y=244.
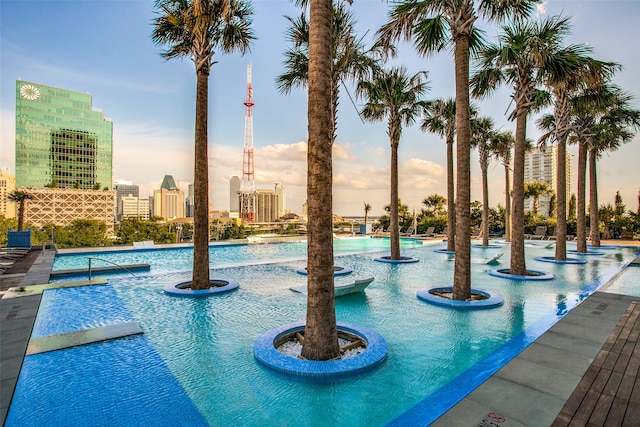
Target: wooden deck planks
x=609, y=392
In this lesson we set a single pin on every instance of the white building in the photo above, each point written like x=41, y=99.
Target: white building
x=131, y=206
x=281, y=202
x=541, y=164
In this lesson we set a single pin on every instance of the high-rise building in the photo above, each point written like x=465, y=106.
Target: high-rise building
x=266, y=206
x=541, y=164
x=61, y=138
x=7, y=186
x=190, y=201
x=132, y=206
x=125, y=189
x=281, y=202
x=168, y=201
x=234, y=194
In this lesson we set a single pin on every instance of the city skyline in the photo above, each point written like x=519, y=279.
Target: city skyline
x=152, y=101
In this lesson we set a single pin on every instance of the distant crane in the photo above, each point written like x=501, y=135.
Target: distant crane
x=248, y=184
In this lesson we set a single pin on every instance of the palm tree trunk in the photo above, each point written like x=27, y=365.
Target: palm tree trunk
x=485, y=208
x=21, y=215
x=518, y=264
x=321, y=334
x=507, y=203
x=594, y=217
x=451, y=202
x=561, y=211
x=462, y=270
x=201, y=187
x=580, y=214
x=394, y=232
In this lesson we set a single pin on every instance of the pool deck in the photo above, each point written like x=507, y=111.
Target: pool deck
x=544, y=385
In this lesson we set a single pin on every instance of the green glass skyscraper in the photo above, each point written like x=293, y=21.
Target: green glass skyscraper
x=61, y=139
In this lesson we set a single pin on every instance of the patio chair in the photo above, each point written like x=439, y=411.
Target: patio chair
x=540, y=233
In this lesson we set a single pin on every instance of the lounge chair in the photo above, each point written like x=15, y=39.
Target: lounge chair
x=539, y=234
x=341, y=289
x=409, y=231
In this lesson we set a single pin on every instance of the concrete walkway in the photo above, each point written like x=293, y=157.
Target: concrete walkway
x=17, y=316
x=532, y=389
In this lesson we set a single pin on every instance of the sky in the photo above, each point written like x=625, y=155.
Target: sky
x=104, y=48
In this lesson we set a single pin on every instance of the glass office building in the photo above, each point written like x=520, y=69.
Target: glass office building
x=61, y=139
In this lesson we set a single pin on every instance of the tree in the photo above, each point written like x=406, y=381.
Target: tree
x=519, y=58
x=503, y=144
x=367, y=209
x=483, y=135
x=350, y=59
x=321, y=332
x=196, y=29
x=605, y=125
x=535, y=189
x=440, y=118
x=435, y=204
x=572, y=71
x=20, y=197
x=435, y=26
x=396, y=95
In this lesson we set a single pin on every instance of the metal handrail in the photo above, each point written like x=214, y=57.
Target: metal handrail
x=110, y=262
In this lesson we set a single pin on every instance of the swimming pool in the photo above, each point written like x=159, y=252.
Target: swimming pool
x=435, y=354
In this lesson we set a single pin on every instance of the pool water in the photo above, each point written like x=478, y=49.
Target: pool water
x=435, y=354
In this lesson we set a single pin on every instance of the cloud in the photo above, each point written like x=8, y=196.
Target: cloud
x=541, y=8
x=296, y=152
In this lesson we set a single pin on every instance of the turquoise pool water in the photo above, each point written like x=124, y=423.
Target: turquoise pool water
x=435, y=353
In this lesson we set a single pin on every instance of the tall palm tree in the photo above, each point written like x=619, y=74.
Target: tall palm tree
x=351, y=60
x=440, y=118
x=195, y=29
x=396, y=95
x=524, y=50
x=321, y=332
x=572, y=71
x=20, y=197
x=482, y=135
x=435, y=26
x=534, y=190
x=604, y=120
x=503, y=144
x=367, y=209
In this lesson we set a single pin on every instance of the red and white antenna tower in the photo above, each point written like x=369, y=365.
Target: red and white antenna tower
x=248, y=184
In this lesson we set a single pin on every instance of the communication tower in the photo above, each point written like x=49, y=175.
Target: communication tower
x=248, y=184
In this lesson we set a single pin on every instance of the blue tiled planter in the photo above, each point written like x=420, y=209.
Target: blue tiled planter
x=19, y=239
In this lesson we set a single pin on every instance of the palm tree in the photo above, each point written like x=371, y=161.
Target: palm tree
x=351, y=61
x=572, y=71
x=535, y=189
x=523, y=52
x=482, y=136
x=503, y=144
x=195, y=29
x=20, y=197
x=367, y=209
x=435, y=26
x=321, y=332
x=440, y=118
x=604, y=122
x=396, y=95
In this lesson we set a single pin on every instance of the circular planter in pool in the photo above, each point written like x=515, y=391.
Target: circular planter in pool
x=585, y=253
x=218, y=286
x=444, y=251
x=604, y=247
x=337, y=271
x=492, y=299
x=560, y=261
x=487, y=247
x=402, y=260
x=265, y=351
x=533, y=275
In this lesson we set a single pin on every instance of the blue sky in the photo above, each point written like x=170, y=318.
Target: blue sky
x=104, y=48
